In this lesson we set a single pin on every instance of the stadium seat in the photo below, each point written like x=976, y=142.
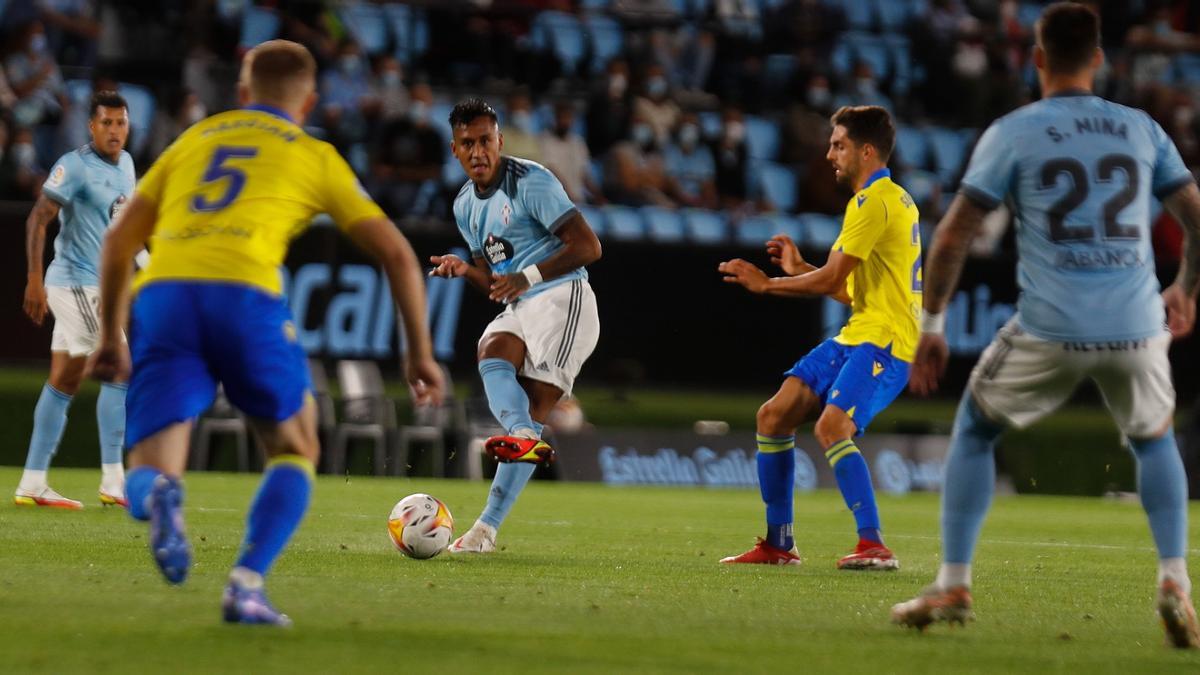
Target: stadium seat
x=453, y=175
x=912, y=147
x=921, y=185
x=439, y=116
x=1028, y=13
x=754, y=231
x=594, y=217
x=622, y=223
x=762, y=137
x=948, y=148
x=79, y=92
x=706, y=227
x=893, y=15
x=859, y=15
x=606, y=38
x=778, y=71
x=326, y=410
x=594, y=5
x=141, y=114
x=220, y=419
x=778, y=184
x=367, y=25
x=428, y=429
x=367, y=414
x=710, y=123
x=560, y=34
x=259, y=24
x=410, y=31
x=1187, y=69
x=900, y=59
x=820, y=230
x=663, y=226
x=874, y=51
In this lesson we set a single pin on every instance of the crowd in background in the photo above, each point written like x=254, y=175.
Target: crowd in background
x=709, y=104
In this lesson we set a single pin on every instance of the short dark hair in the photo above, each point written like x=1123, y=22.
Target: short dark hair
x=1070, y=35
x=868, y=124
x=106, y=98
x=471, y=109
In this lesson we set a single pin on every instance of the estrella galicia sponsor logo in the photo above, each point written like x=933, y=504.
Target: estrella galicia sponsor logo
x=498, y=250
x=114, y=209
x=704, y=466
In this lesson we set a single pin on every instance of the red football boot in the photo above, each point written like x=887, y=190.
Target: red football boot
x=765, y=554
x=518, y=449
x=869, y=555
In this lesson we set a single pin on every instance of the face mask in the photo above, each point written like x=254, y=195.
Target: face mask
x=349, y=64
x=617, y=84
x=195, y=113
x=38, y=42
x=818, y=98
x=523, y=120
x=735, y=132
x=689, y=135
x=865, y=85
x=24, y=153
x=418, y=111
x=643, y=135
x=391, y=78
x=656, y=87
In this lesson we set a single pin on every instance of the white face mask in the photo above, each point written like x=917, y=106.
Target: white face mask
x=418, y=111
x=37, y=43
x=195, y=113
x=349, y=64
x=24, y=154
x=390, y=78
x=523, y=120
x=643, y=135
x=689, y=135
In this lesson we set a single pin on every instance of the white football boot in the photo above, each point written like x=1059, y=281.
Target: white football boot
x=481, y=538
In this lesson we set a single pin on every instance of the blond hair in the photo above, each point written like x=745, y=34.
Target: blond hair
x=279, y=72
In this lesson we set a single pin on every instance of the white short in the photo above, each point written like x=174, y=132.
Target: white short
x=76, y=319
x=1021, y=378
x=560, y=328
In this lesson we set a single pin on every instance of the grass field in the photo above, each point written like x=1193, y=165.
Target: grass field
x=590, y=579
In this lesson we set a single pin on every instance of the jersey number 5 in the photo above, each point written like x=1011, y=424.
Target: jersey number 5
x=219, y=168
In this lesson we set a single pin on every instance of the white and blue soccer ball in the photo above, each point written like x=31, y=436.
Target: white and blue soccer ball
x=420, y=526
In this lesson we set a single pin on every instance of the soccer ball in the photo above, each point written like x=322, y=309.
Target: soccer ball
x=420, y=526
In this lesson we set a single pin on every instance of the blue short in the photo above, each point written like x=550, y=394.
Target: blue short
x=860, y=379
x=186, y=337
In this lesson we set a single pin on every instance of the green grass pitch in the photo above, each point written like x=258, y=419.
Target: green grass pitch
x=589, y=579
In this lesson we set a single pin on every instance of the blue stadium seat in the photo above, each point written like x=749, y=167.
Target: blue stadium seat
x=1187, y=69
x=410, y=31
x=778, y=184
x=258, y=25
x=778, y=71
x=900, y=57
x=820, y=230
x=874, y=51
x=894, y=15
x=921, y=185
x=606, y=38
x=762, y=137
x=912, y=147
x=949, y=149
x=439, y=116
x=79, y=92
x=859, y=15
x=453, y=175
x=561, y=34
x=594, y=5
x=663, y=226
x=1028, y=13
x=754, y=231
x=141, y=114
x=594, y=217
x=623, y=223
x=367, y=25
x=710, y=124
x=706, y=227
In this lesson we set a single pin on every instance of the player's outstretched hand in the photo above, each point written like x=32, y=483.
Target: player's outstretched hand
x=109, y=363
x=35, y=302
x=738, y=271
x=425, y=381
x=932, y=355
x=1181, y=311
x=785, y=254
x=448, y=266
x=507, y=288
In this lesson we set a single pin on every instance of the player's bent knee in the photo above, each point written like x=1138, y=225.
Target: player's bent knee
x=772, y=419
x=832, y=426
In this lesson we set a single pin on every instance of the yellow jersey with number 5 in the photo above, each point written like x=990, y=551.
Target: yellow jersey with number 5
x=235, y=189
x=881, y=228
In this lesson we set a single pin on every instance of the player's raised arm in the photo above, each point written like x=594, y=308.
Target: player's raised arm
x=1180, y=296
x=829, y=279
x=126, y=236
x=44, y=211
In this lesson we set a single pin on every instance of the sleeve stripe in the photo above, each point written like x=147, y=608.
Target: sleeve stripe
x=562, y=220
x=1170, y=187
x=980, y=197
x=55, y=196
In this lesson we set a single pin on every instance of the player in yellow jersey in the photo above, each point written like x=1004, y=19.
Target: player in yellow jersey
x=875, y=267
x=219, y=208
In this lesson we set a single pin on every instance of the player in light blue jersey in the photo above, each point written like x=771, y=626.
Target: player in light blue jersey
x=529, y=246
x=1079, y=173
x=85, y=190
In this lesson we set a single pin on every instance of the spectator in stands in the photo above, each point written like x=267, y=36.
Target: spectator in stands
x=731, y=158
x=72, y=29
x=387, y=89
x=686, y=55
x=183, y=109
x=308, y=22
x=35, y=79
x=805, y=127
x=864, y=89
x=21, y=176
x=520, y=130
x=610, y=107
x=635, y=174
x=645, y=11
x=690, y=168
x=654, y=105
x=346, y=96
x=407, y=158
x=565, y=153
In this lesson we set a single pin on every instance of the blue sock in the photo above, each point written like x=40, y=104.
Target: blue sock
x=277, y=510
x=110, y=417
x=854, y=480
x=776, y=481
x=506, y=398
x=137, y=487
x=507, y=485
x=49, y=420
x=969, y=481
x=1162, y=485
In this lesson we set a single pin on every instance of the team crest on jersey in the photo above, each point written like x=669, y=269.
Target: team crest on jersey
x=505, y=213
x=116, y=207
x=57, y=176
x=497, y=249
